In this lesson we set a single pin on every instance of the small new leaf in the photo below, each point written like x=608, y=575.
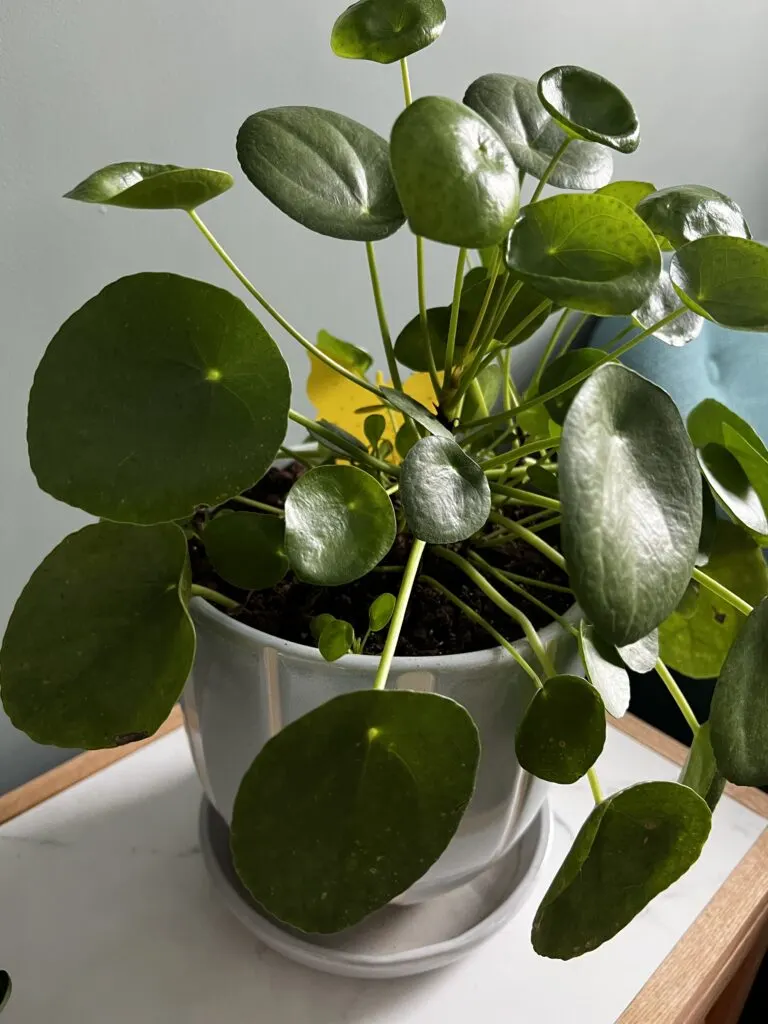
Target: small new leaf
x=336, y=640
x=380, y=612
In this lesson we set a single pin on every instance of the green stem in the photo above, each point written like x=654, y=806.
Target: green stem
x=723, y=592
x=594, y=785
x=678, y=696
x=305, y=342
x=406, y=82
x=260, y=505
x=473, y=616
x=430, y=355
x=521, y=592
x=551, y=345
x=525, y=323
x=401, y=604
x=528, y=497
x=356, y=454
x=480, y=319
x=386, y=336
x=574, y=333
x=622, y=334
x=450, y=348
x=213, y=596
x=506, y=370
x=477, y=393
x=532, y=448
x=550, y=168
x=532, y=538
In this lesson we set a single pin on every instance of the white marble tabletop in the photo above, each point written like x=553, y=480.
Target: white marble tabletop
x=107, y=915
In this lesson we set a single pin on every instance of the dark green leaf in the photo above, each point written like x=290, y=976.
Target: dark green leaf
x=561, y=370
x=732, y=488
x=358, y=798
x=489, y=381
x=100, y=642
x=445, y=494
x=512, y=107
x=543, y=480
x=345, y=352
x=739, y=715
x=339, y=524
x=323, y=169
x=631, y=493
x=143, y=186
x=707, y=423
x=708, y=527
x=454, y=176
x=590, y=107
x=247, y=549
x=686, y=212
x=662, y=301
x=525, y=302
x=386, y=31
x=318, y=624
x=336, y=640
x=374, y=427
x=563, y=730
x=700, y=771
x=632, y=846
x=410, y=347
x=724, y=279
x=588, y=252
x=418, y=412
x=347, y=444
x=406, y=438
x=605, y=670
x=642, y=655
x=159, y=395
x=380, y=612
x=5, y=989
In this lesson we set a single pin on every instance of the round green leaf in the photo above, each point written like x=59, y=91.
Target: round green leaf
x=336, y=640
x=445, y=494
x=686, y=212
x=696, y=644
x=724, y=279
x=563, y=730
x=662, y=301
x=561, y=370
x=455, y=178
x=318, y=624
x=374, y=427
x=410, y=347
x=345, y=352
x=700, y=771
x=358, y=798
x=739, y=714
x=404, y=403
x=606, y=670
x=381, y=611
x=323, y=169
x=631, y=493
x=629, y=192
x=5, y=989
x=100, y=642
x=159, y=395
x=590, y=107
x=339, y=524
x=709, y=421
x=633, y=846
x=143, y=186
x=588, y=252
x=406, y=438
x=386, y=31
x=642, y=655
x=247, y=549
x=511, y=106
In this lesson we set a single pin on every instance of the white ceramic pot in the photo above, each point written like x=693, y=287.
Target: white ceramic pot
x=246, y=685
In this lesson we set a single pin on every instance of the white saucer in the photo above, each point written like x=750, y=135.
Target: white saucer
x=396, y=940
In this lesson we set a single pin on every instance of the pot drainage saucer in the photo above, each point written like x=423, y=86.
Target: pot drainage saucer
x=396, y=940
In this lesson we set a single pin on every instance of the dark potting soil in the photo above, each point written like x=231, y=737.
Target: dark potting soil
x=433, y=625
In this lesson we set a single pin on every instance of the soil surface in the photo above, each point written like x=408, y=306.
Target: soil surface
x=433, y=625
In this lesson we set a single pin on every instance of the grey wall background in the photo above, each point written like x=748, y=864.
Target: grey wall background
x=88, y=82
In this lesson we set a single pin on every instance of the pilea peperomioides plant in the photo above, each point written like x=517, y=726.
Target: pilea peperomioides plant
x=162, y=401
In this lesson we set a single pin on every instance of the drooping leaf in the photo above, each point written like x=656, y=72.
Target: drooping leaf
x=633, y=846
x=700, y=771
x=455, y=178
x=731, y=486
x=386, y=31
x=590, y=107
x=380, y=612
x=139, y=396
x=543, y=480
x=642, y=655
x=247, y=549
x=357, y=798
x=445, y=494
x=561, y=370
x=724, y=279
x=405, y=404
x=339, y=524
x=512, y=106
x=686, y=212
x=588, y=252
x=144, y=186
x=344, y=352
x=739, y=713
x=662, y=301
x=322, y=169
x=100, y=642
x=631, y=493
x=336, y=639
x=605, y=670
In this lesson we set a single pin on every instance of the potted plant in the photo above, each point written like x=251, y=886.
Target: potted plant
x=161, y=405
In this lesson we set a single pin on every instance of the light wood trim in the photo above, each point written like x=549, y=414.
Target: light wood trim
x=75, y=770
x=728, y=1008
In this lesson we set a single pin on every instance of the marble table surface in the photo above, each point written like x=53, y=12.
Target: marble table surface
x=107, y=915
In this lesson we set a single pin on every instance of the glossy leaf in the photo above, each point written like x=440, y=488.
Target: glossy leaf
x=590, y=107
x=511, y=105
x=631, y=493
x=386, y=31
x=359, y=797
x=561, y=370
x=739, y=714
x=642, y=655
x=588, y=252
x=139, y=396
x=455, y=178
x=339, y=524
x=662, y=301
x=323, y=169
x=629, y=192
x=563, y=730
x=444, y=493
x=405, y=404
x=344, y=352
x=100, y=643
x=336, y=640
x=380, y=612
x=724, y=279
x=686, y=212
x=633, y=846
x=732, y=488
x=144, y=186
x=700, y=770
x=247, y=549
x=605, y=670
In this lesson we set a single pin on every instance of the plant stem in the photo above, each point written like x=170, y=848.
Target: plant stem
x=551, y=345
x=508, y=396
x=550, y=168
x=305, y=342
x=528, y=497
x=574, y=333
x=213, y=596
x=477, y=393
x=401, y=604
x=353, y=452
x=521, y=592
x=480, y=319
x=473, y=616
x=677, y=695
x=386, y=337
x=532, y=448
x=723, y=592
x=533, y=539
x=450, y=348
x=430, y=355
x=406, y=82
x=594, y=785
x=260, y=505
